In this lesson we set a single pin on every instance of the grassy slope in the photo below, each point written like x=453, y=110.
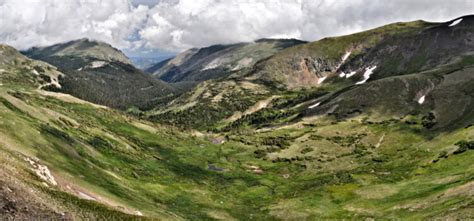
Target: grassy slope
x=164, y=173
x=271, y=74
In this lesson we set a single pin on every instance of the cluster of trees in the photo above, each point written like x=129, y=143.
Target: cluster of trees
x=261, y=118
x=117, y=85
x=464, y=146
x=301, y=96
x=347, y=141
x=204, y=114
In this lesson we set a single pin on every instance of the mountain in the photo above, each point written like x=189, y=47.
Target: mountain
x=144, y=63
x=367, y=126
x=398, y=63
x=97, y=72
x=196, y=65
x=80, y=48
x=394, y=49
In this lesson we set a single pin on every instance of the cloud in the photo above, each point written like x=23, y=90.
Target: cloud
x=29, y=23
x=190, y=23
x=176, y=25
x=186, y=24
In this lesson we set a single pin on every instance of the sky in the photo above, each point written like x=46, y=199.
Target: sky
x=151, y=27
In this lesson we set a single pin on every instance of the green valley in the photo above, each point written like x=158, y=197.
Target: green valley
x=371, y=126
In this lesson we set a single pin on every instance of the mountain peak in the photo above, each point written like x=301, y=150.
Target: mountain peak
x=84, y=48
x=8, y=54
x=270, y=40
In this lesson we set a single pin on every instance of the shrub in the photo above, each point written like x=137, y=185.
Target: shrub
x=306, y=150
x=429, y=121
x=463, y=146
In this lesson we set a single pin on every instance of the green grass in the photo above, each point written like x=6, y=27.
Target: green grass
x=164, y=173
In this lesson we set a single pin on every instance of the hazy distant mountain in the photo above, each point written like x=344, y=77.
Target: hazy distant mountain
x=144, y=63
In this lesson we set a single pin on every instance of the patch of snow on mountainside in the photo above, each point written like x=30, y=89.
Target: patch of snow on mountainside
x=314, y=105
x=368, y=71
x=344, y=58
x=352, y=73
x=455, y=22
x=342, y=74
x=320, y=80
x=97, y=64
x=421, y=100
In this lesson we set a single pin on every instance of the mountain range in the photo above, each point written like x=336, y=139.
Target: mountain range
x=371, y=125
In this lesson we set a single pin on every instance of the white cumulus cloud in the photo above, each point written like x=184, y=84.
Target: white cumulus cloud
x=185, y=24
x=176, y=25
x=26, y=23
x=195, y=23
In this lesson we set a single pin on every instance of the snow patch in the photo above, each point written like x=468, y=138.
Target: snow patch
x=344, y=58
x=352, y=73
x=320, y=80
x=342, y=75
x=98, y=64
x=314, y=105
x=42, y=171
x=422, y=99
x=35, y=72
x=54, y=82
x=455, y=22
x=368, y=71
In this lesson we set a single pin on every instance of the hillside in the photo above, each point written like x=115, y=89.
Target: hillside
x=196, y=65
x=395, y=49
x=97, y=72
x=343, y=69
x=80, y=48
